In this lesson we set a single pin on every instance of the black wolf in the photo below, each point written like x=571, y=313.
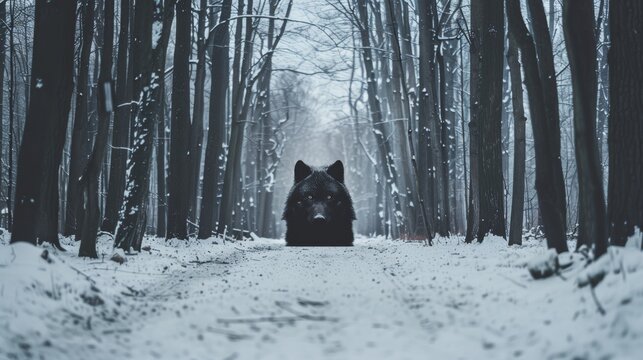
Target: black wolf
x=319, y=210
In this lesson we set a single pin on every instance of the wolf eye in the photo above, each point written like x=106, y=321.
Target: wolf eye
x=310, y=197
x=299, y=202
x=329, y=197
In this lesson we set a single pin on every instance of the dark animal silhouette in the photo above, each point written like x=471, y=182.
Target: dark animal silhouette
x=319, y=210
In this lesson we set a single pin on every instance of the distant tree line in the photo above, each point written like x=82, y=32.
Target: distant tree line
x=171, y=117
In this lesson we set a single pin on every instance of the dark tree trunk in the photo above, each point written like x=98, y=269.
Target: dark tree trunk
x=544, y=53
x=475, y=69
x=36, y=206
x=120, y=131
x=89, y=216
x=518, y=191
x=196, y=131
x=491, y=192
x=178, y=176
x=146, y=57
x=429, y=118
x=578, y=23
x=80, y=142
x=214, y=152
x=3, y=49
x=160, y=109
x=549, y=181
x=625, y=140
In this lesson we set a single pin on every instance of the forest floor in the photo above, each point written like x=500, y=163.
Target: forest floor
x=380, y=299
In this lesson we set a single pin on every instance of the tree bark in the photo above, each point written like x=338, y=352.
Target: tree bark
x=80, y=142
x=214, y=152
x=549, y=181
x=383, y=144
x=146, y=57
x=89, y=217
x=475, y=69
x=491, y=191
x=36, y=206
x=625, y=139
x=120, y=131
x=178, y=175
x=518, y=191
x=196, y=131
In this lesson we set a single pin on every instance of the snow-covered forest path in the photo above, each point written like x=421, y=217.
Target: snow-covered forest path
x=377, y=300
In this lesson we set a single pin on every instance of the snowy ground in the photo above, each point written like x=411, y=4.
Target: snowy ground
x=261, y=300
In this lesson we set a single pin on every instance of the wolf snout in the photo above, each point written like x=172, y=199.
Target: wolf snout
x=319, y=219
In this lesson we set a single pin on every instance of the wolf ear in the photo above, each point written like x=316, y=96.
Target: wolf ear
x=301, y=171
x=336, y=171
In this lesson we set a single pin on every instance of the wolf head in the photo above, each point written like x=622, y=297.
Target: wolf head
x=319, y=202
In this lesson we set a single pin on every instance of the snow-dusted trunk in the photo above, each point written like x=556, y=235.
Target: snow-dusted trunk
x=146, y=57
x=214, y=152
x=36, y=206
x=548, y=174
x=89, y=216
x=625, y=141
x=80, y=141
x=241, y=104
x=120, y=131
x=178, y=174
x=401, y=113
x=383, y=144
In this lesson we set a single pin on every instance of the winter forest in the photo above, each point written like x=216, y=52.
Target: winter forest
x=150, y=170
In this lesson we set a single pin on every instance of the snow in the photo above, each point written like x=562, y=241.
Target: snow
x=380, y=299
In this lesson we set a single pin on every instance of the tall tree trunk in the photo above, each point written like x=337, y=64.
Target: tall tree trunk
x=625, y=140
x=549, y=181
x=475, y=70
x=80, y=142
x=491, y=191
x=146, y=57
x=3, y=50
x=196, y=131
x=162, y=133
x=89, y=217
x=36, y=206
x=214, y=151
x=429, y=117
x=178, y=176
x=383, y=144
x=578, y=23
x=603, y=109
x=120, y=131
x=518, y=191
x=545, y=56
